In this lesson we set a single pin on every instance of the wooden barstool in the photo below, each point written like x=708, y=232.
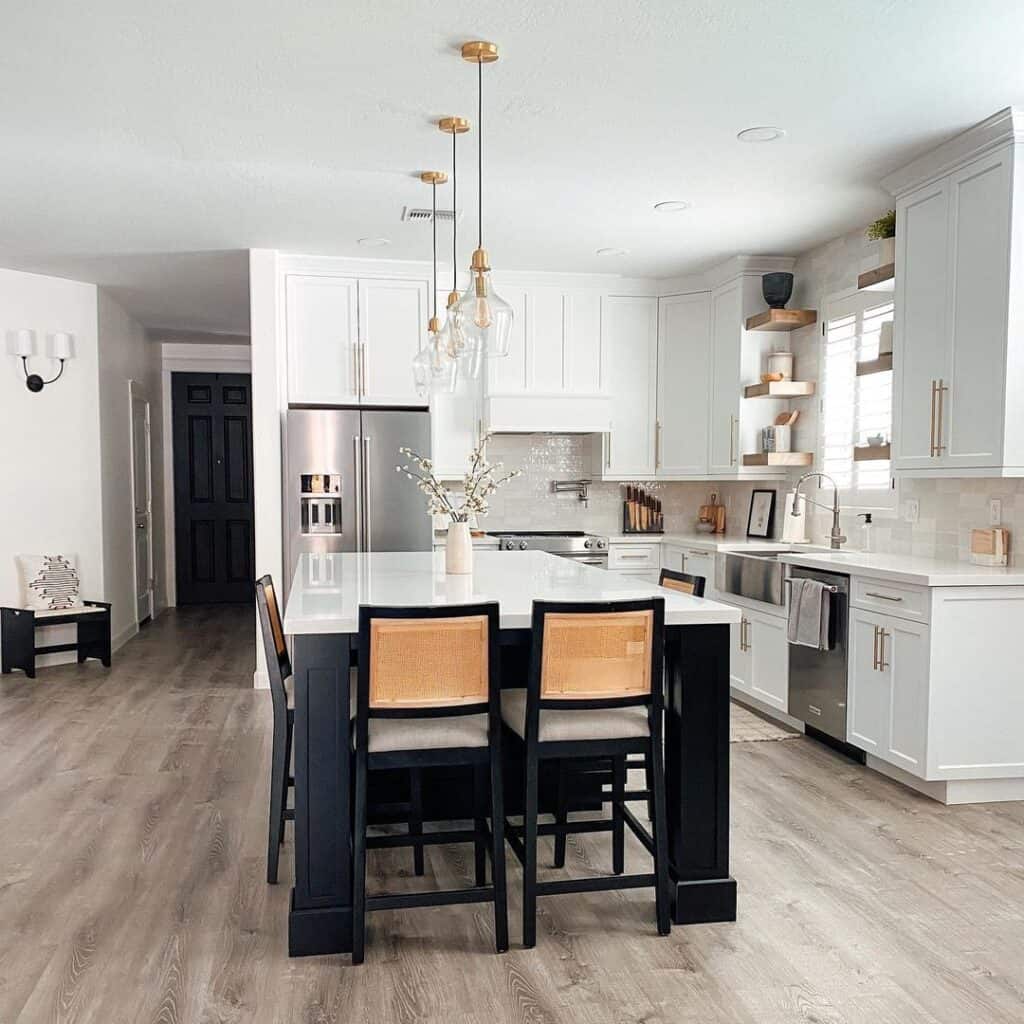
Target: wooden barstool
x=594, y=692
x=279, y=669
x=681, y=581
x=428, y=695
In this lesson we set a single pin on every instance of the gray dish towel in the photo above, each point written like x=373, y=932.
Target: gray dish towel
x=809, y=611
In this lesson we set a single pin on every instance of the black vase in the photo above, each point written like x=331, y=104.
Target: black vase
x=777, y=288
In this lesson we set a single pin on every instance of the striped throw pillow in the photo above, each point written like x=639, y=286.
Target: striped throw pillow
x=49, y=582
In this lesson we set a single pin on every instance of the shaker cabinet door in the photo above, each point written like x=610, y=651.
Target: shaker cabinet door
x=629, y=343
x=393, y=316
x=724, y=420
x=322, y=326
x=684, y=373
x=769, y=651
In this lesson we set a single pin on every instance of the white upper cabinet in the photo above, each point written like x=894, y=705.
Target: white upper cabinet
x=959, y=321
x=393, y=318
x=684, y=368
x=922, y=227
x=551, y=378
x=351, y=341
x=629, y=346
x=322, y=323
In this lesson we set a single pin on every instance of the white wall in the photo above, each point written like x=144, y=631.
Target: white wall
x=126, y=355
x=50, y=487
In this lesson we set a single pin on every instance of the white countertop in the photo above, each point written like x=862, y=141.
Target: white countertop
x=328, y=589
x=925, y=572
x=706, y=541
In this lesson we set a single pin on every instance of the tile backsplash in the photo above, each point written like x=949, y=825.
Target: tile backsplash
x=529, y=503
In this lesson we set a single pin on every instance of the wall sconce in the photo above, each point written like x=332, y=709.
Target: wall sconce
x=60, y=346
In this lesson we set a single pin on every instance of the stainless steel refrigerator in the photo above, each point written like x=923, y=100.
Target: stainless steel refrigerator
x=341, y=490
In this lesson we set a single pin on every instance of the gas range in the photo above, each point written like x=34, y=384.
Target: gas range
x=588, y=548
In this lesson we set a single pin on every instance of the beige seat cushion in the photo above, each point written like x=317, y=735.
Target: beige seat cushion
x=421, y=733
x=555, y=726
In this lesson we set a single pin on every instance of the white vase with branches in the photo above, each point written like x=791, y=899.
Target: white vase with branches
x=482, y=479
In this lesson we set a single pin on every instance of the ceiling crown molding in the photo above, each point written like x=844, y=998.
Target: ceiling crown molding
x=1003, y=128
x=741, y=265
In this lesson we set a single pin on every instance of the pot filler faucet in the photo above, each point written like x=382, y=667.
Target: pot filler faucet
x=837, y=540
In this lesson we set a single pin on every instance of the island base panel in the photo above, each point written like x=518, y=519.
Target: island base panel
x=704, y=902
x=319, y=931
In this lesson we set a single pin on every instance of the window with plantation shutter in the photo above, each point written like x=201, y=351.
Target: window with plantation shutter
x=854, y=408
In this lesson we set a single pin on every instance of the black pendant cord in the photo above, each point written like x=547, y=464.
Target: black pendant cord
x=433, y=224
x=480, y=153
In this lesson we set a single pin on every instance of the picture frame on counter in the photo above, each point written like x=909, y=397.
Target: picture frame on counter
x=761, y=518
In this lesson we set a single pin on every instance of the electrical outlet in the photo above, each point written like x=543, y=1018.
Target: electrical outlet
x=911, y=510
x=995, y=511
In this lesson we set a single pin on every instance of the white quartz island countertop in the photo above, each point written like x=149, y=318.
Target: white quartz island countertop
x=327, y=590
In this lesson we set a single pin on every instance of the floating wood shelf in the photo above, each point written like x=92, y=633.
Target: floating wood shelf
x=779, y=459
x=865, y=453
x=781, y=319
x=780, y=389
x=879, y=365
x=881, y=279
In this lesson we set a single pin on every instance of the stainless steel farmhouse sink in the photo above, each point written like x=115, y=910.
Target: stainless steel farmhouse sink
x=755, y=575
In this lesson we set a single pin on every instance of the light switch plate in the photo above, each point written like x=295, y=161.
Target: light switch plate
x=911, y=510
x=995, y=511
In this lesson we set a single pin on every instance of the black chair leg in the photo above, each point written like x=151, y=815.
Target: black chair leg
x=278, y=789
x=530, y=850
x=618, y=819
x=649, y=786
x=480, y=823
x=289, y=732
x=561, y=812
x=359, y=863
x=416, y=816
x=498, y=852
x=660, y=832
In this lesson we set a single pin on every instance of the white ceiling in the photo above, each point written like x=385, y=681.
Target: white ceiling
x=146, y=144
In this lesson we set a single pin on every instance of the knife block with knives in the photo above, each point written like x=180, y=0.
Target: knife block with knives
x=641, y=512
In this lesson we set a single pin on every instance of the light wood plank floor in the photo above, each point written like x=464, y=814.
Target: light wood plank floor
x=132, y=824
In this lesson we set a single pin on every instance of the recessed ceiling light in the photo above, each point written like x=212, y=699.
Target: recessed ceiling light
x=762, y=133
x=612, y=251
x=373, y=243
x=672, y=206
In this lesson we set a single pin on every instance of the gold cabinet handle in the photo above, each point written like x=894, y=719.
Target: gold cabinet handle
x=931, y=426
x=744, y=642
x=608, y=451
x=657, y=444
x=940, y=391
x=732, y=440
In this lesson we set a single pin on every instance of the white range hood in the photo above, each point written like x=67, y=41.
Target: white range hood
x=548, y=414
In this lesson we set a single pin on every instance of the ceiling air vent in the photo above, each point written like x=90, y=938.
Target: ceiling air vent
x=413, y=213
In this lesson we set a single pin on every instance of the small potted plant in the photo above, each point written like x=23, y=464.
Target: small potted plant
x=482, y=479
x=883, y=231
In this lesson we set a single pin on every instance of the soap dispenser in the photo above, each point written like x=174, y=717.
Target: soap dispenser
x=865, y=531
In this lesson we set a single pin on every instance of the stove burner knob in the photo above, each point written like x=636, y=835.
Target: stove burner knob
x=588, y=543
x=601, y=544
x=522, y=545
x=506, y=545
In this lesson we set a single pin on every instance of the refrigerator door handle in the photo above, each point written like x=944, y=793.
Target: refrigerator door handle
x=367, y=511
x=356, y=455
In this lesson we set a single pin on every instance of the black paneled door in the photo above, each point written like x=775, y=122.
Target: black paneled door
x=213, y=514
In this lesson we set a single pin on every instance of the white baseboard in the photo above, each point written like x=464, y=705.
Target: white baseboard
x=953, y=791
x=118, y=641
x=260, y=680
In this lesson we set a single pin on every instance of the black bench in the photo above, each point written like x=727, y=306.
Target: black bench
x=18, y=634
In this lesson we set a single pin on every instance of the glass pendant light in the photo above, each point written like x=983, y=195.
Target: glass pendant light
x=460, y=345
x=487, y=316
x=434, y=370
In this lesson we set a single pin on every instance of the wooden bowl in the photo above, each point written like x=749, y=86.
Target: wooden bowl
x=771, y=378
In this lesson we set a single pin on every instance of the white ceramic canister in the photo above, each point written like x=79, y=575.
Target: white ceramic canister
x=781, y=362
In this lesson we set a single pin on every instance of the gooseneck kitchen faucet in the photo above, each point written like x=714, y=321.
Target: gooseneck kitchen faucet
x=837, y=540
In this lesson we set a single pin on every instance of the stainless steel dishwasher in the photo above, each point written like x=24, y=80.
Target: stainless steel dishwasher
x=818, y=679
